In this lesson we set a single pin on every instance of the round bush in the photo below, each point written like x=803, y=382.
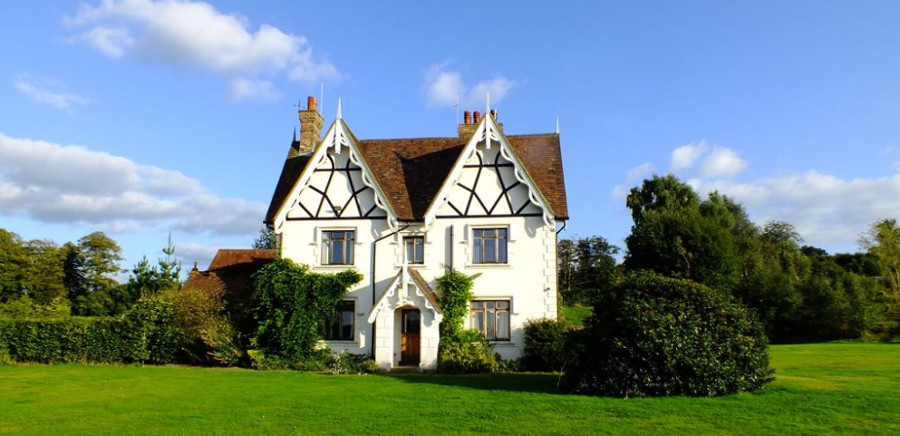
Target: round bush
x=544, y=345
x=654, y=336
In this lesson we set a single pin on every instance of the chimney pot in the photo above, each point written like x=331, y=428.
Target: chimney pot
x=467, y=117
x=310, y=103
x=477, y=117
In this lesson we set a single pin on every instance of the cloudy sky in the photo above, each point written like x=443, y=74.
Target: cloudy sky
x=144, y=117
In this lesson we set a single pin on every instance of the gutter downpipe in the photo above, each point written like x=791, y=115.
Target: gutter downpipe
x=562, y=228
x=374, y=253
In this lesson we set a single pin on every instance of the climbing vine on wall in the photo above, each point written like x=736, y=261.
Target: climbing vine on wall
x=456, y=292
x=461, y=350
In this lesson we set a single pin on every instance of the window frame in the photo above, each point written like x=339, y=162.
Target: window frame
x=490, y=307
x=335, y=320
x=500, y=245
x=413, y=238
x=348, y=245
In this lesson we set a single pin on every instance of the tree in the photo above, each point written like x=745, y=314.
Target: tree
x=676, y=235
x=657, y=336
x=883, y=241
x=42, y=271
x=101, y=259
x=586, y=266
x=11, y=256
x=73, y=272
x=266, y=239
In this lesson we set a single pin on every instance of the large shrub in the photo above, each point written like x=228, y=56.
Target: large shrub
x=544, y=345
x=290, y=305
x=469, y=352
x=657, y=336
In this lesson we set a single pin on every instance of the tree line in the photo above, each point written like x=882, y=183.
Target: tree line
x=78, y=278
x=799, y=292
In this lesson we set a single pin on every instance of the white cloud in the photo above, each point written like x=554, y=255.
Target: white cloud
x=248, y=89
x=722, y=162
x=685, y=156
x=54, y=183
x=826, y=209
x=445, y=87
x=190, y=252
x=49, y=92
x=639, y=172
x=195, y=34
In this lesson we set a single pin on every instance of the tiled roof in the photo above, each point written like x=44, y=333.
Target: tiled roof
x=230, y=257
x=411, y=171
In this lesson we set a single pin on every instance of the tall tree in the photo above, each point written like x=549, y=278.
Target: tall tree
x=102, y=256
x=12, y=253
x=587, y=266
x=42, y=271
x=266, y=238
x=677, y=236
x=883, y=241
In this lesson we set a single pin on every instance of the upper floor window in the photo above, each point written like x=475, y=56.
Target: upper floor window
x=337, y=247
x=489, y=245
x=414, y=247
x=339, y=324
x=491, y=318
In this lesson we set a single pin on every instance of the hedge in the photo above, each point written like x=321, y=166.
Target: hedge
x=144, y=334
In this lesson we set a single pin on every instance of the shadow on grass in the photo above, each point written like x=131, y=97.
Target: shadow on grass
x=515, y=382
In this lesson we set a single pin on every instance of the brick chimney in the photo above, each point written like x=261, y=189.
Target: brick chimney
x=470, y=123
x=310, y=127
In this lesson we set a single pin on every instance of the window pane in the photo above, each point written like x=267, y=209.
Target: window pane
x=490, y=333
x=503, y=324
x=337, y=252
x=479, y=233
x=502, y=248
x=420, y=250
x=490, y=254
x=502, y=304
x=501, y=233
x=478, y=320
x=477, y=249
x=477, y=304
x=349, y=257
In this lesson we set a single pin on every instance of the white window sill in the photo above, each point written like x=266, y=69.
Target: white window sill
x=488, y=265
x=341, y=267
x=502, y=343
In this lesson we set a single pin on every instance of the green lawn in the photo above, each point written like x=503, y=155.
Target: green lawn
x=820, y=389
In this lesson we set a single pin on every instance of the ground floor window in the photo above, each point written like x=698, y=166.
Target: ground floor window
x=491, y=318
x=339, y=325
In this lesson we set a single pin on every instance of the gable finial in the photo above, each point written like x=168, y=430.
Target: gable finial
x=487, y=110
x=339, y=109
x=557, y=125
x=295, y=134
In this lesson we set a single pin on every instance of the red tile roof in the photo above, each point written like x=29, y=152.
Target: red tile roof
x=411, y=171
x=232, y=256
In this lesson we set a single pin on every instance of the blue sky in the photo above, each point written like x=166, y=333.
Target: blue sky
x=140, y=117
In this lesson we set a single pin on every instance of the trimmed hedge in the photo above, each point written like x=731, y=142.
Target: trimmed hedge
x=654, y=336
x=144, y=334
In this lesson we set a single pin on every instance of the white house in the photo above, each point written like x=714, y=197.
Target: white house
x=403, y=211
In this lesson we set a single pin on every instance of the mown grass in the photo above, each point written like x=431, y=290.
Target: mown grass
x=576, y=315
x=820, y=389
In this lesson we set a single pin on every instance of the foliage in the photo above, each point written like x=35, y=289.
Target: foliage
x=144, y=334
x=586, y=267
x=544, y=348
x=676, y=235
x=469, y=352
x=24, y=307
x=658, y=336
x=455, y=289
x=205, y=333
x=266, y=239
x=290, y=305
x=883, y=242
x=575, y=316
x=460, y=350
x=349, y=363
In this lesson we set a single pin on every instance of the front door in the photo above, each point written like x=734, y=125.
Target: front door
x=409, y=337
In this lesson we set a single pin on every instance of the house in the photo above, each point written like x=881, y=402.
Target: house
x=403, y=211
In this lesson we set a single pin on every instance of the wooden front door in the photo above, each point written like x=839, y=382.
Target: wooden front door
x=409, y=337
